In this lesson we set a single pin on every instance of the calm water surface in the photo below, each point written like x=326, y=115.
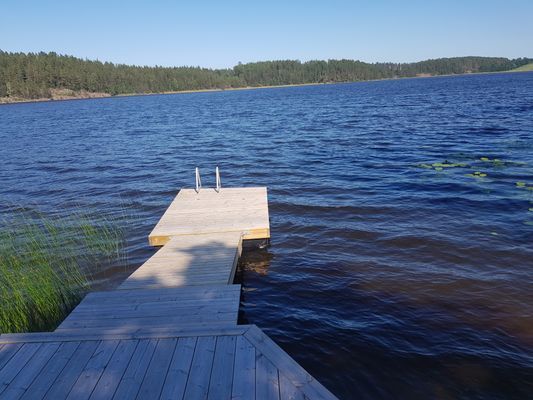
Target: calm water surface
x=387, y=277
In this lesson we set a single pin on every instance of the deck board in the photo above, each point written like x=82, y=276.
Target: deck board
x=51, y=371
x=132, y=379
x=156, y=308
x=244, y=370
x=8, y=351
x=267, y=383
x=223, y=365
x=200, y=372
x=189, y=261
x=61, y=387
x=222, y=372
x=92, y=372
x=108, y=383
x=154, y=378
x=16, y=364
x=178, y=372
x=31, y=370
x=243, y=210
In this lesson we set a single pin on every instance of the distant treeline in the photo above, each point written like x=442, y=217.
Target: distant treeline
x=37, y=75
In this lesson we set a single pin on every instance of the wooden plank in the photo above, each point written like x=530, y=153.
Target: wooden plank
x=156, y=297
x=178, y=372
x=94, y=369
x=290, y=368
x=222, y=371
x=175, y=281
x=16, y=363
x=172, y=267
x=133, y=377
x=267, y=380
x=70, y=373
x=30, y=371
x=154, y=379
x=199, y=375
x=219, y=319
x=110, y=379
x=156, y=310
x=199, y=303
x=7, y=352
x=244, y=370
x=248, y=234
x=122, y=333
x=287, y=391
x=51, y=371
x=169, y=294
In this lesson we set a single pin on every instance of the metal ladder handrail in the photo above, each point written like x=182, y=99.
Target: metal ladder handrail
x=198, y=180
x=217, y=178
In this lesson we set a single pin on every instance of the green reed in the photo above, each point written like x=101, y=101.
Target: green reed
x=47, y=264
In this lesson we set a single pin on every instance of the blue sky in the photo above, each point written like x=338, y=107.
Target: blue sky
x=222, y=33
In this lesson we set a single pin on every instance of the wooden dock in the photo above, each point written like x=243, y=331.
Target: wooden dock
x=170, y=330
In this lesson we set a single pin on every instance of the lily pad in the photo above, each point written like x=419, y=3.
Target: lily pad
x=427, y=166
x=477, y=174
x=447, y=165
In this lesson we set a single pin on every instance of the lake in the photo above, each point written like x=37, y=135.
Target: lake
x=401, y=259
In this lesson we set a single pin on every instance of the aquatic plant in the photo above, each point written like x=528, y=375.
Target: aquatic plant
x=524, y=185
x=46, y=264
x=477, y=174
x=439, y=166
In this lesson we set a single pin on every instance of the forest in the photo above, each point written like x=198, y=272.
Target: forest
x=26, y=76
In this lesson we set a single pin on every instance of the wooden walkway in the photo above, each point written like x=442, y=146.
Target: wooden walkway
x=170, y=330
x=190, y=260
x=205, y=306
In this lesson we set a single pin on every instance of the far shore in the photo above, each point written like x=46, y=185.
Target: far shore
x=92, y=95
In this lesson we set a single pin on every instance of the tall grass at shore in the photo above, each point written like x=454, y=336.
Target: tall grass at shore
x=46, y=264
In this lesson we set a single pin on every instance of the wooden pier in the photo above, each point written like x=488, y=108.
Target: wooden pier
x=170, y=330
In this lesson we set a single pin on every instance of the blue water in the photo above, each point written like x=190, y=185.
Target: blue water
x=385, y=279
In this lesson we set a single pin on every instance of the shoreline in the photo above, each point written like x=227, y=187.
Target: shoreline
x=93, y=95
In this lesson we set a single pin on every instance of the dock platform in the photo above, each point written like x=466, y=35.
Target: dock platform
x=170, y=330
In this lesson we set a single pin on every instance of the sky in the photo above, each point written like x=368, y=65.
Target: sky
x=219, y=34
